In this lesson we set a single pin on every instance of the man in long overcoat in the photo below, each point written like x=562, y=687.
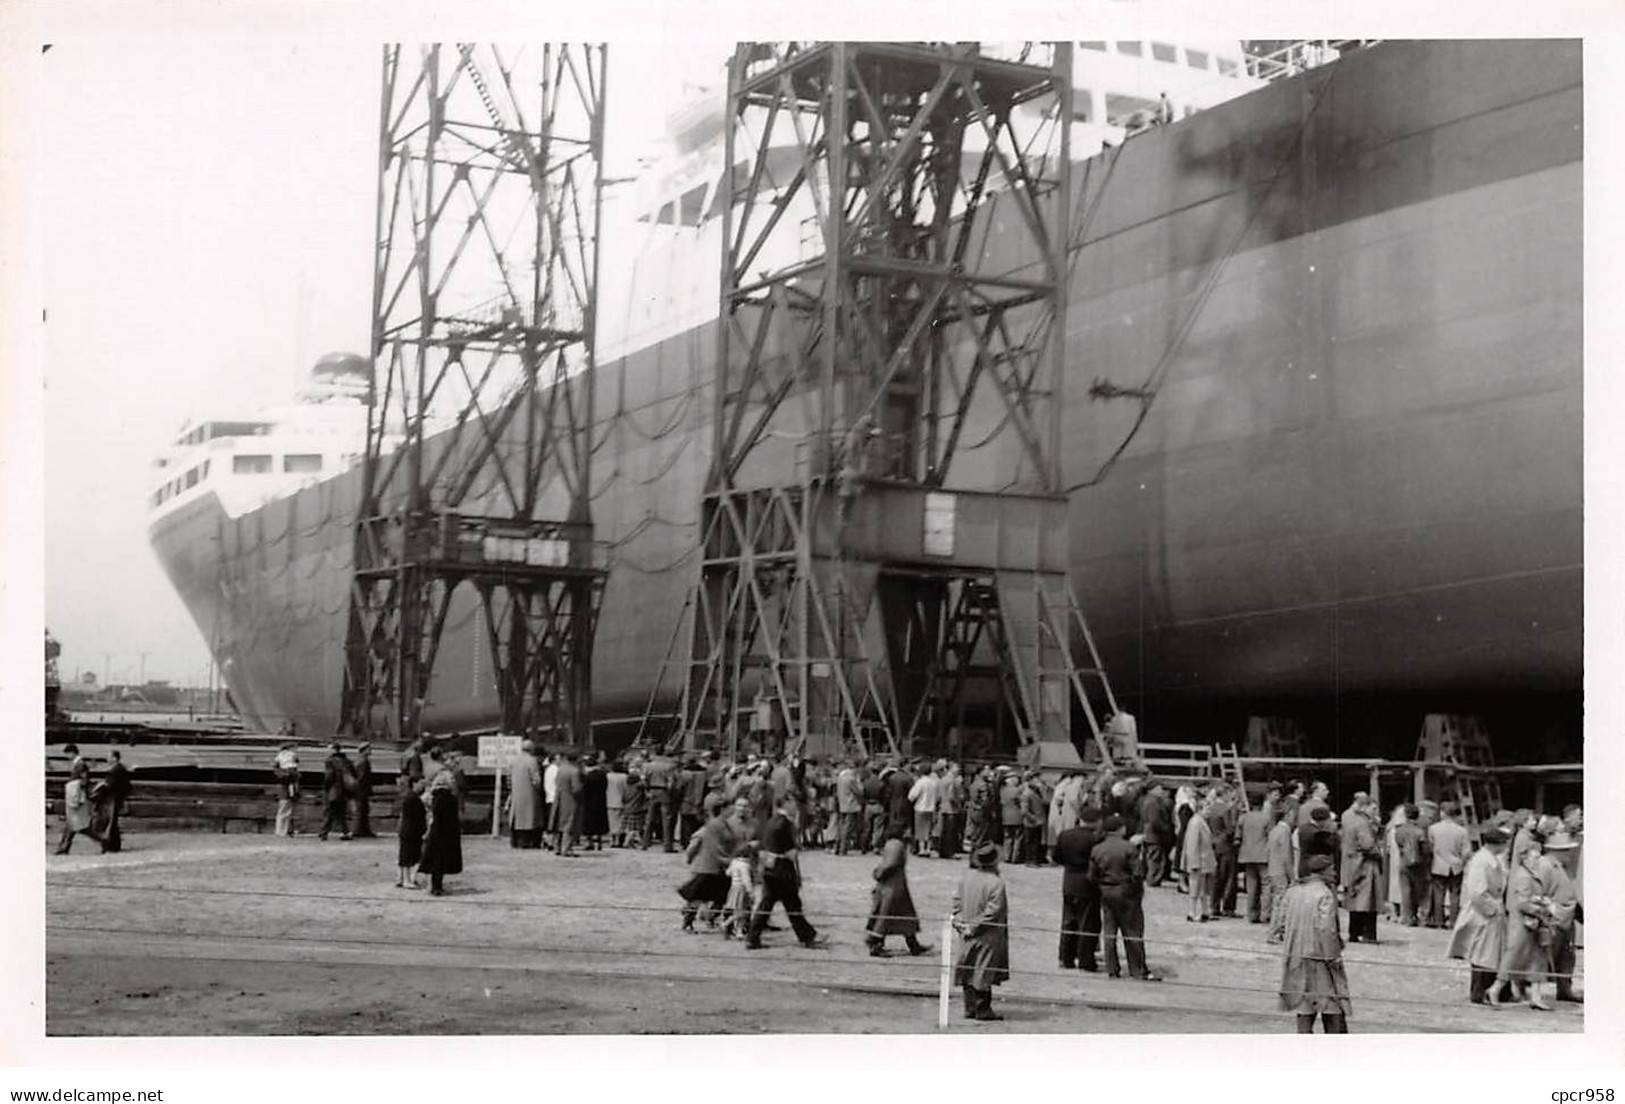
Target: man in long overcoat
x=891, y=910
x=1313, y=981
x=1480, y=934
x=363, y=793
x=567, y=807
x=981, y=916
x=1540, y=900
x=525, y=798
x=1080, y=897
x=1361, y=869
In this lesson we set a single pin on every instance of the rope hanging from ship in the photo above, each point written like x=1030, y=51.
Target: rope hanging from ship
x=1146, y=393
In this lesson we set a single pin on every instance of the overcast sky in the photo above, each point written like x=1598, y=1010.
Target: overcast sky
x=207, y=236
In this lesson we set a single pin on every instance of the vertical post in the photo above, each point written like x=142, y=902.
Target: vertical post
x=945, y=982
x=1540, y=796
x=1374, y=785
x=496, y=805
x=1419, y=789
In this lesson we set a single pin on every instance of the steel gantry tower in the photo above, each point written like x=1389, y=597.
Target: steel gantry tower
x=892, y=297
x=476, y=485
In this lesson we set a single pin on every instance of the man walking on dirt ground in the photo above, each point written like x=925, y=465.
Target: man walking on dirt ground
x=781, y=877
x=337, y=779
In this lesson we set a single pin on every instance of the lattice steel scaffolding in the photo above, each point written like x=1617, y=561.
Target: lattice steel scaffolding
x=856, y=581
x=478, y=460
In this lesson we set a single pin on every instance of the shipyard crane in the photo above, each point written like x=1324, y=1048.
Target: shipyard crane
x=867, y=583
x=477, y=462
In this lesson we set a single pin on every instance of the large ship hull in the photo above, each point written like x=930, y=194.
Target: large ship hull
x=1358, y=294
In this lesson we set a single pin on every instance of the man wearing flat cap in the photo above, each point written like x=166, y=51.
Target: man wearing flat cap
x=1114, y=866
x=981, y=916
x=1080, y=896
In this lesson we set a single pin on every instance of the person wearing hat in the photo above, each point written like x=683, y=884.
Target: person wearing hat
x=1114, y=867
x=1362, y=869
x=285, y=768
x=362, y=781
x=1080, y=896
x=1561, y=849
x=1480, y=934
x=1540, y=903
x=981, y=916
x=338, y=778
x=1313, y=982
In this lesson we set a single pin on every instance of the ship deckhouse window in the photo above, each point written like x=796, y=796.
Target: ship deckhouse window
x=302, y=462
x=1101, y=46
x=1164, y=52
x=1133, y=49
x=1196, y=58
x=250, y=465
x=1227, y=67
x=1120, y=107
x=191, y=478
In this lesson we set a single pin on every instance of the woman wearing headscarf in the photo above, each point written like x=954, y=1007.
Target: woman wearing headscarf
x=891, y=906
x=443, y=841
x=1540, y=901
x=981, y=915
x=594, y=803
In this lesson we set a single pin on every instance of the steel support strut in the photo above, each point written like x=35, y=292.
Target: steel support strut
x=477, y=463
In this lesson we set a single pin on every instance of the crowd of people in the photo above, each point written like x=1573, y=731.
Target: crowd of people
x=1511, y=899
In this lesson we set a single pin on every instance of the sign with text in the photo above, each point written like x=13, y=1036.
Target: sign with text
x=496, y=751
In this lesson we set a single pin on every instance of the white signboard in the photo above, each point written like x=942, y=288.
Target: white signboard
x=496, y=751
x=939, y=523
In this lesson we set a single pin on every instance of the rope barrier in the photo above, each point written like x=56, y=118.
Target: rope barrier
x=1091, y=1001
x=667, y=910
x=574, y=949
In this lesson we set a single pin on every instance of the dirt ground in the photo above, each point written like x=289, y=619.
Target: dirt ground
x=194, y=934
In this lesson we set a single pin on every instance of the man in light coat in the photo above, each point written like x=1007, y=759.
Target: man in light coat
x=1480, y=934
x=981, y=916
x=1362, y=869
x=1200, y=864
x=1451, y=847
